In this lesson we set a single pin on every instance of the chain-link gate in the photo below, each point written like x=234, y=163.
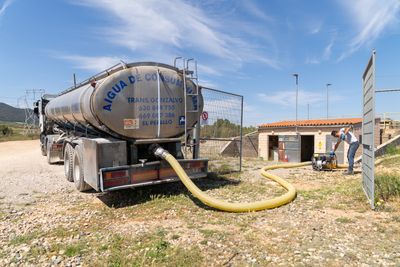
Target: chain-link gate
x=221, y=130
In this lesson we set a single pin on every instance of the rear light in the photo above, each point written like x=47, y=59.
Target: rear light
x=56, y=146
x=115, y=178
x=115, y=174
x=142, y=176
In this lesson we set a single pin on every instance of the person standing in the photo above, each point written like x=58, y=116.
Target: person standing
x=344, y=134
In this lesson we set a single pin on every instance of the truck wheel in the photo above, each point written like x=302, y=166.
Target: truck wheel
x=48, y=146
x=43, y=149
x=68, y=162
x=43, y=142
x=78, y=176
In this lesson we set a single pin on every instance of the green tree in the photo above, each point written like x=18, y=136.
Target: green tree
x=223, y=128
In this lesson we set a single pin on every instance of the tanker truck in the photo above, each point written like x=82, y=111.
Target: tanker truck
x=104, y=129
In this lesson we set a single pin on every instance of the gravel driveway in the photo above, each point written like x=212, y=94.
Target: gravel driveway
x=45, y=221
x=24, y=173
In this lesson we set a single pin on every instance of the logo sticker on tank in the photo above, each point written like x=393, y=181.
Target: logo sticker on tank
x=131, y=124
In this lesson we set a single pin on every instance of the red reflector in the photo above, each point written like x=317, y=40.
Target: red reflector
x=142, y=176
x=115, y=174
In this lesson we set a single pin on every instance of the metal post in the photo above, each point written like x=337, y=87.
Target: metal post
x=198, y=126
x=185, y=105
x=74, y=80
x=296, y=75
x=241, y=135
x=175, y=60
x=158, y=104
x=327, y=100
x=384, y=121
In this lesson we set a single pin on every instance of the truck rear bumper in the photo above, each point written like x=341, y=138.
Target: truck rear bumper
x=157, y=172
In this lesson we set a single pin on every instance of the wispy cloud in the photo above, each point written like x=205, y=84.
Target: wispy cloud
x=4, y=7
x=90, y=63
x=312, y=60
x=315, y=27
x=288, y=98
x=370, y=18
x=326, y=53
x=158, y=28
x=256, y=11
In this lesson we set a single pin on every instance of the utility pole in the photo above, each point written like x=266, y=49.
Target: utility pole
x=296, y=75
x=30, y=124
x=327, y=100
x=74, y=77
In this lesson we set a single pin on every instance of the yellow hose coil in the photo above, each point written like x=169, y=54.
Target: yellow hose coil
x=238, y=207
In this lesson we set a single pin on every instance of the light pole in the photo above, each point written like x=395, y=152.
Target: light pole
x=296, y=75
x=327, y=100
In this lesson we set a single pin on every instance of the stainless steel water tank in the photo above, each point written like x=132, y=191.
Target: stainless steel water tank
x=129, y=103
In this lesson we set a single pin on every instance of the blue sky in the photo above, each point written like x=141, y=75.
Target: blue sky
x=245, y=47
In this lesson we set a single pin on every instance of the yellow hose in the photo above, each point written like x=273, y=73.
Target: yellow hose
x=237, y=207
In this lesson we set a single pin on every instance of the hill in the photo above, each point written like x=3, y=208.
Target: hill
x=9, y=113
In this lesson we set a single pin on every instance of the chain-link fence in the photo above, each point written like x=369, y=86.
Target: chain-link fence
x=221, y=130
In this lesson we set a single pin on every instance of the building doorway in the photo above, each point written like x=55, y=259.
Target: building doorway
x=307, y=147
x=273, y=147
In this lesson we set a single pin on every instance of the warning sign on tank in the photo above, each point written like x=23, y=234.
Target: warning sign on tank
x=131, y=124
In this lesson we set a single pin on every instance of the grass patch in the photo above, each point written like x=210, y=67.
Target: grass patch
x=63, y=232
x=74, y=249
x=348, y=189
x=392, y=150
x=152, y=249
x=208, y=232
x=24, y=239
x=387, y=186
x=221, y=169
x=11, y=131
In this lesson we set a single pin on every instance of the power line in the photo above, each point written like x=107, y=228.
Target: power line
x=31, y=95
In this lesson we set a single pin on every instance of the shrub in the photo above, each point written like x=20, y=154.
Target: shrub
x=387, y=186
x=6, y=131
x=392, y=150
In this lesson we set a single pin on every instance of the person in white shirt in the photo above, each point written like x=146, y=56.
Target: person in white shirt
x=346, y=135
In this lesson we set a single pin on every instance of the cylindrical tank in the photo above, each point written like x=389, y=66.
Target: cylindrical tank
x=130, y=102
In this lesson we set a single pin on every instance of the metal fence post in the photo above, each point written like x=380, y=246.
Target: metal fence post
x=241, y=135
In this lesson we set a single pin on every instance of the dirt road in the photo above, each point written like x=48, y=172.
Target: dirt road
x=25, y=173
x=44, y=221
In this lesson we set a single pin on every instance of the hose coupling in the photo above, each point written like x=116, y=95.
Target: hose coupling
x=159, y=151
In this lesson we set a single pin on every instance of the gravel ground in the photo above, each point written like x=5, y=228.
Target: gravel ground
x=25, y=173
x=44, y=221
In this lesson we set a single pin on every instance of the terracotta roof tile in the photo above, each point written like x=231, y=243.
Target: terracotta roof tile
x=328, y=122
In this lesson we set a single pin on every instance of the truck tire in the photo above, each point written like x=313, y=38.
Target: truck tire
x=48, y=146
x=78, y=175
x=43, y=142
x=43, y=149
x=68, y=162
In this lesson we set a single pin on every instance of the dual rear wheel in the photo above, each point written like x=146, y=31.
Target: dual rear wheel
x=73, y=167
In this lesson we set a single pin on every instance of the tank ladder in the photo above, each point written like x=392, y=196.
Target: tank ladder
x=190, y=93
